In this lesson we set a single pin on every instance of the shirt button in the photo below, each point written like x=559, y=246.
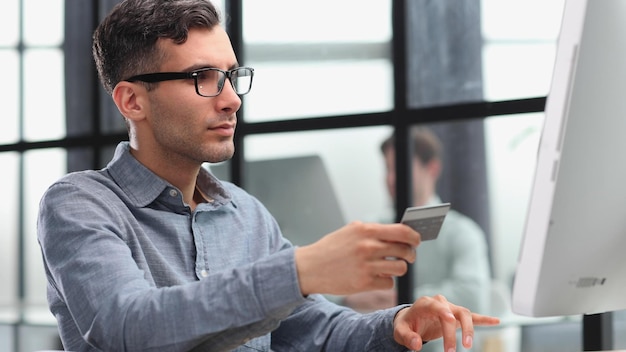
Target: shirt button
x=173, y=192
x=204, y=273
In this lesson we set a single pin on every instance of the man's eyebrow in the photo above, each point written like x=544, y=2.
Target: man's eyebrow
x=199, y=67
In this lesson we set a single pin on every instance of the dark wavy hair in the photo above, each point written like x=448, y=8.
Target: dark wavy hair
x=124, y=44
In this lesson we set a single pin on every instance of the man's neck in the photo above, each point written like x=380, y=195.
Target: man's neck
x=179, y=174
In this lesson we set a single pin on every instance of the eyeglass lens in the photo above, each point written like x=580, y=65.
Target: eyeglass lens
x=210, y=82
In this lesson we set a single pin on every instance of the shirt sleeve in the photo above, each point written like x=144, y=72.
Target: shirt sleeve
x=320, y=325
x=97, y=287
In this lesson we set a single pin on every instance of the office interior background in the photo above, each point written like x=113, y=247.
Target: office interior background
x=332, y=80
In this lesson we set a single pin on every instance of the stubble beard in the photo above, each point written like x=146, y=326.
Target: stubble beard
x=221, y=152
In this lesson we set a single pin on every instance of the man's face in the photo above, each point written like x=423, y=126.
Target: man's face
x=422, y=181
x=181, y=124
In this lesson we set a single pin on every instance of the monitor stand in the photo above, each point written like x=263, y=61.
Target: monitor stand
x=598, y=332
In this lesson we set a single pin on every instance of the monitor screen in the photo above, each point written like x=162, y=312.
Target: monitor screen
x=573, y=253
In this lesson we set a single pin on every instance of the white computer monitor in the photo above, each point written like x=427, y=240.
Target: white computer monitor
x=573, y=253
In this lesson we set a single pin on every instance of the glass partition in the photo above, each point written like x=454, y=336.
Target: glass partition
x=43, y=109
x=42, y=168
x=9, y=228
x=289, y=90
x=518, y=48
x=310, y=63
x=11, y=86
x=43, y=22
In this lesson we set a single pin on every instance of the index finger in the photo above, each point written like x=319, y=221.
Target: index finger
x=401, y=233
x=468, y=321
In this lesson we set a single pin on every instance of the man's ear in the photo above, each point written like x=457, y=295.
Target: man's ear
x=131, y=100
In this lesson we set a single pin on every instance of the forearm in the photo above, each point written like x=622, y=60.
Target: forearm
x=366, y=332
x=321, y=324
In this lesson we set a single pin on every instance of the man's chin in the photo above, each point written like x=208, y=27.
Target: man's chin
x=218, y=152
x=218, y=158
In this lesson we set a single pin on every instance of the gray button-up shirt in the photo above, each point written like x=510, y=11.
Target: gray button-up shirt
x=130, y=267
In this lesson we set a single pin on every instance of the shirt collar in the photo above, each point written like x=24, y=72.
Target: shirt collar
x=144, y=187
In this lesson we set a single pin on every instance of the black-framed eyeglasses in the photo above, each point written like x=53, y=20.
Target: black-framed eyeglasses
x=209, y=81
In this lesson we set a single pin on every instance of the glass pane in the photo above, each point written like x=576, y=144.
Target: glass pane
x=43, y=22
x=44, y=105
x=529, y=66
x=285, y=21
x=9, y=230
x=6, y=338
x=10, y=87
x=306, y=89
x=346, y=153
x=317, y=70
x=514, y=20
x=40, y=338
x=457, y=54
x=41, y=169
x=519, y=46
x=9, y=22
x=511, y=145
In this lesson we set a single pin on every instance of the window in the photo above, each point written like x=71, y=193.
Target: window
x=332, y=80
x=309, y=67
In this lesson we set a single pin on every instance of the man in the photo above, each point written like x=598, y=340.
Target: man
x=153, y=253
x=456, y=264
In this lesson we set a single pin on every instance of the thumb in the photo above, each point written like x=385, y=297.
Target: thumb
x=412, y=341
x=405, y=336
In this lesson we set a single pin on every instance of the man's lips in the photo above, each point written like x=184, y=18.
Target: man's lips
x=224, y=129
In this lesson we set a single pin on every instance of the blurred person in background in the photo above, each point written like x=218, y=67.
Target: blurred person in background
x=456, y=264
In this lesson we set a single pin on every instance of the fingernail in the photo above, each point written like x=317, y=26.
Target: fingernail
x=414, y=343
x=451, y=349
x=468, y=341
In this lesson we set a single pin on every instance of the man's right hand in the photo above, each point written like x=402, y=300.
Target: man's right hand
x=358, y=257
